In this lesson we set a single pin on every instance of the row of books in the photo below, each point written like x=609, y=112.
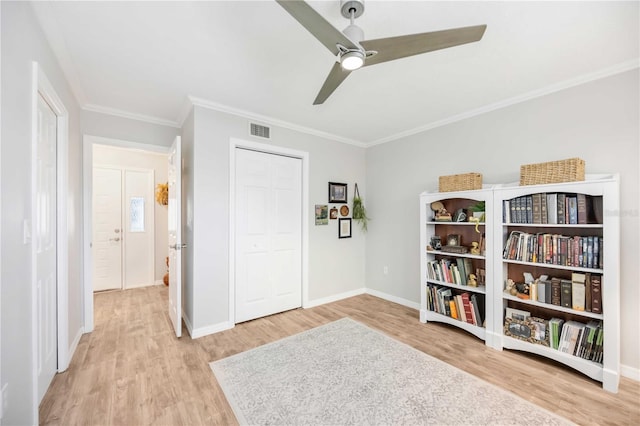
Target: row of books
x=454, y=271
x=577, y=338
x=555, y=249
x=582, y=293
x=553, y=208
x=460, y=306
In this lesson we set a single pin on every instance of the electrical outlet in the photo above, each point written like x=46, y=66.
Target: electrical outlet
x=385, y=270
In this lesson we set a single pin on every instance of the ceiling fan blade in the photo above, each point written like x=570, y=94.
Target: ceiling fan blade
x=414, y=44
x=336, y=76
x=319, y=27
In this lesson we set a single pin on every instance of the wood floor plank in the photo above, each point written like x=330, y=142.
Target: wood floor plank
x=132, y=370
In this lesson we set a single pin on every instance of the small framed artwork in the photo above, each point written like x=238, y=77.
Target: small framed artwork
x=453, y=239
x=344, y=228
x=344, y=210
x=436, y=243
x=337, y=192
x=322, y=214
x=333, y=213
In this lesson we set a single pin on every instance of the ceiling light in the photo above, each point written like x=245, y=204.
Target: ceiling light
x=352, y=60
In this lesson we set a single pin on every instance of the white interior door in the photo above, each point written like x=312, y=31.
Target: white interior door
x=175, y=235
x=139, y=229
x=107, y=229
x=268, y=205
x=45, y=241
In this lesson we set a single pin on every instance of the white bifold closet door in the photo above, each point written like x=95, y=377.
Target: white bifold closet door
x=268, y=234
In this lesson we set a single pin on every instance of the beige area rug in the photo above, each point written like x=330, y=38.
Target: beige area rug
x=345, y=373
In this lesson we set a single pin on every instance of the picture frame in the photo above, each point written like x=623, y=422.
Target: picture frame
x=322, y=214
x=436, y=242
x=344, y=227
x=532, y=330
x=333, y=213
x=453, y=239
x=338, y=193
x=517, y=314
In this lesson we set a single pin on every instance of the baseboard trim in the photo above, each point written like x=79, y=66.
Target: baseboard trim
x=394, y=299
x=196, y=333
x=630, y=372
x=73, y=347
x=333, y=298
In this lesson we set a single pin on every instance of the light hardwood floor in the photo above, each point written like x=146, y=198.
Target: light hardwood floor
x=131, y=370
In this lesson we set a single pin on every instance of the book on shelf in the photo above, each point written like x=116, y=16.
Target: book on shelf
x=536, y=202
x=579, y=339
x=555, y=328
x=596, y=294
x=571, y=208
x=552, y=208
x=581, y=201
x=476, y=310
x=562, y=201
x=554, y=249
x=587, y=292
x=578, y=291
x=462, y=272
x=556, y=292
x=565, y=296
x=453, y=309
x=466, y=302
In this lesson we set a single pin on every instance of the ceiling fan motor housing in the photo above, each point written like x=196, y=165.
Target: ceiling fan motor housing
x=354, y=33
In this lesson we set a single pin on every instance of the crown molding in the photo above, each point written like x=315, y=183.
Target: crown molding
x=566, y=84
x=270, y=120
x=130, y=115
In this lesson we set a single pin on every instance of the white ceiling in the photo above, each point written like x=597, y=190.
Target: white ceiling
x=147, y=58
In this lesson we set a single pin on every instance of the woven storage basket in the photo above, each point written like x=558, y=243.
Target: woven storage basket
x=570, y=170
x=463, y=182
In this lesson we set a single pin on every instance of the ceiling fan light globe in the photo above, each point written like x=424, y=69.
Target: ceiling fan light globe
x=352, y=60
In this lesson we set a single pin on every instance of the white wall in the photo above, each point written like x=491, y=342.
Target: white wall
x=22, y=43
x=597, y=122
x=126, y=129
x=104, y=155
x=335, y=266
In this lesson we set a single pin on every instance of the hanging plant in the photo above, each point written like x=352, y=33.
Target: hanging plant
x=359, y=212
x=162, y=194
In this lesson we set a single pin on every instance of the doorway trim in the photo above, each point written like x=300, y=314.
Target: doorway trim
x=42, y=87
x=87, y=211
x=276, y=150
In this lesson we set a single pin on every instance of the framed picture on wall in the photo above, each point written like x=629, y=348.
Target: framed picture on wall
x=344, y=227
x=337, y=192
x=322, y=214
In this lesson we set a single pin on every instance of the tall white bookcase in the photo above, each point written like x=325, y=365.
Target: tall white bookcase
x=497, y=269
x=429, y=227
x=608, y=372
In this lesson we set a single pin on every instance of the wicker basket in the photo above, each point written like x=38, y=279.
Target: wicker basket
x=570, y=170
x=463, y=182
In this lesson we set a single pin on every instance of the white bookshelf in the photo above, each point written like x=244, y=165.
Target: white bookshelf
x=467, y=230
x=608, y=188
x=498, y=270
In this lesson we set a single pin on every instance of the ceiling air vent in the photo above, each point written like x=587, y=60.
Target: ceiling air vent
x=260, y=131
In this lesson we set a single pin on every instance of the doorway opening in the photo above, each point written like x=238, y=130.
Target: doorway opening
x=125, y=228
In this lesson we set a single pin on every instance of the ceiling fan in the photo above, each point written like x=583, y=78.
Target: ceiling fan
x=353, y=52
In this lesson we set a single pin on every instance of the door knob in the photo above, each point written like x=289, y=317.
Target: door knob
x=114, y=239
x=177, y=246
x=117, y=231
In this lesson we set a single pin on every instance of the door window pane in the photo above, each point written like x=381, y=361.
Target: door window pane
x=136, y=214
